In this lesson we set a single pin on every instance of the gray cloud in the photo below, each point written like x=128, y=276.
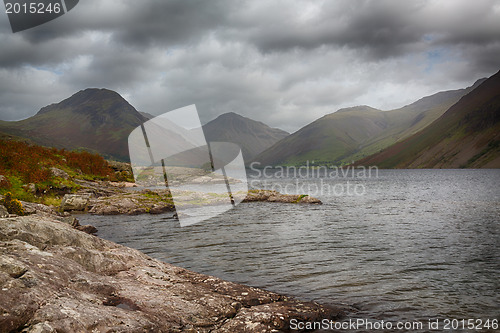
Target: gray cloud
x=380, y=27
x=285, y=63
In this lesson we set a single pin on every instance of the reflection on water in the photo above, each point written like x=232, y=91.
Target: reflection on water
x=419, y=244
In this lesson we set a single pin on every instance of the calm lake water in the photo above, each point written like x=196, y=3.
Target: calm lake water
x=415, y=245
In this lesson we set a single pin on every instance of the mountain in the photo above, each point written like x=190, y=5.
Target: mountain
x=98, y=120
x=252, y=136
x=353, y=133
x=466, y=135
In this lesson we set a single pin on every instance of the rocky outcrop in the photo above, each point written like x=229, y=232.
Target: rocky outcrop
x=75, y=202
x=133, y=203
x=56, y=279
x=36, y=208
x=274, y=196
x=98, y=188
x=160, y=201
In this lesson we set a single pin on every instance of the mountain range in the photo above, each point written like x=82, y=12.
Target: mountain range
x=449, y=129
x=467, y=135
x=353, y=133
x=100, y=120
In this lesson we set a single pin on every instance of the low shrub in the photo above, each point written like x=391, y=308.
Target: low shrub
x=12, y=205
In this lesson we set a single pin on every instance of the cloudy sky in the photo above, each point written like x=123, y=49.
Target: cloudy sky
x=285, y=63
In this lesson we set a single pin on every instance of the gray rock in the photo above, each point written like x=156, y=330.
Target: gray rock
x=105, y=209
x=57, y=279
x=39, y=328
x=70, y=220
x=75, y=202
x=12, y=267
x=35, y=208
x=161, y=208
x=59, y=173
x=89, y=229
x=3, y=211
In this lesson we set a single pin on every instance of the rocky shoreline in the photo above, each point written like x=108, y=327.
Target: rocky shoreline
x=55, y=278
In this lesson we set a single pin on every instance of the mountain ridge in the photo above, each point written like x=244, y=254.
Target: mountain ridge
x=466, y=135
x=353, y=133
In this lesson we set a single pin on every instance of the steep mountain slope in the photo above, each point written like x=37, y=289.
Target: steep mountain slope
x=327, y=138
x=467, y=135
x=353, y=133
x=99, y=120
x=252, y=136
x=410, y=119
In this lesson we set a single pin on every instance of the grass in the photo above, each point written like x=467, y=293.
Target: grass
x=52, y=201
x=302, y=196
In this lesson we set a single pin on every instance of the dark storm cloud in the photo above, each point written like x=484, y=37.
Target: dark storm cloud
x=128, y=22
x=139, y=23
x=174, y=22
x=282, y=62
x=381, y=27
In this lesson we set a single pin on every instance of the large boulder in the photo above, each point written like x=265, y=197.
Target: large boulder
x=75, y=202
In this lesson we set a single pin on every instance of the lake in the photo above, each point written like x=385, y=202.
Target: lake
x=402, y=245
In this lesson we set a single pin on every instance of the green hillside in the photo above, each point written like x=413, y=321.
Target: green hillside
x=326, y=139
x=467, y=135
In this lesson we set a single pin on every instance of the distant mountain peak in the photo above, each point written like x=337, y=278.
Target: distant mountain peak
x=235, y=117
x=479, y=82
x=232, y=115
x=251, y=135
x=88, y=97
x=357, y=108
x=95, y=91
